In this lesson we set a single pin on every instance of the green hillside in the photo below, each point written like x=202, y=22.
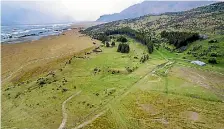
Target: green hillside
x=207, y=20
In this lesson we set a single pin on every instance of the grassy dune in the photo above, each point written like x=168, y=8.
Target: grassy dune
x=23, y=60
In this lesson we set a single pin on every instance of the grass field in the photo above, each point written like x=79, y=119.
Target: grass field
x=163, y=92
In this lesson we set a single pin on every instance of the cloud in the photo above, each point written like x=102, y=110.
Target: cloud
x=80, y=10
x=91, y=9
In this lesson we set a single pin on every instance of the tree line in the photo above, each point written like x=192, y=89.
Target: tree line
x=179, y=39
x=137, y=35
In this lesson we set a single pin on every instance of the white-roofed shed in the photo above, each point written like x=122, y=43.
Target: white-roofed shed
x=197, y=62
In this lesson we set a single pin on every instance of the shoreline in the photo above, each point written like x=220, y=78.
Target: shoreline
x=15, y=56
x=43, y=34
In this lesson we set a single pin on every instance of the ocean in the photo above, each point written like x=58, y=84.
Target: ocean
x=22, y=33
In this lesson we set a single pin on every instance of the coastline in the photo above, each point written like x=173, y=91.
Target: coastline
x=28, y=59
x=26, y=33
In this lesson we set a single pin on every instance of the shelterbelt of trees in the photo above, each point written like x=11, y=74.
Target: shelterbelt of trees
x=179, y=39
x=139, y=36
x=176, y=38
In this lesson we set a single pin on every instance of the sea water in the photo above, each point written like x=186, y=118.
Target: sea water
x=21, y=33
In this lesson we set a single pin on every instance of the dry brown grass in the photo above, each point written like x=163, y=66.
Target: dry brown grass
x=41, y=55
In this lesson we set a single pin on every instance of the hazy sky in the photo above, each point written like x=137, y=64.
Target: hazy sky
x=92, y=9
x=79, y=10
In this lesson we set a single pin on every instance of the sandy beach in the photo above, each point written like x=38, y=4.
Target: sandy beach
x=24, y=60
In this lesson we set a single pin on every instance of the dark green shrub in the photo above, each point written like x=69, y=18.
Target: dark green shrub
x=212, y=61
x=214, y=55
x=144, y=58
x=213, y=41
x=129, y=69
x=196, y=47
x=42, y=81
x=150, y=47
x=107, y=44
x=64, y=90
x=113, y=44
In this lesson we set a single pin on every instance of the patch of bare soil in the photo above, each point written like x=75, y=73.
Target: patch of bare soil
x=194, y=116
x=154, y=78
x=149, y=108
x=163, y=121
x=194, y=77
x=206, y=79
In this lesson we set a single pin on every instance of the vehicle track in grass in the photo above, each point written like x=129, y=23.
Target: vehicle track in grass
x=64, y=113
x=105, y=108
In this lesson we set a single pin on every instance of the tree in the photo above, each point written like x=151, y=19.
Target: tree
x=102, y=38
x=122, y=39
x=126, y=48
x=113, y=44
x=107, y=44
x=119, y=48
x=142, y=35
x=179, y=39
x=150, y=47
x=212, y=61
x=123, y=48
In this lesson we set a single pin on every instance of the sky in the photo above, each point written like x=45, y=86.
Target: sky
x=78, y=10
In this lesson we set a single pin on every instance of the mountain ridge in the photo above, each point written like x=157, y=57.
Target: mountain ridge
x=153, y=8
x=199, y=20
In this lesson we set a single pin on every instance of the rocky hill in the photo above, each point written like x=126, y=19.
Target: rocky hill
x=153, y=7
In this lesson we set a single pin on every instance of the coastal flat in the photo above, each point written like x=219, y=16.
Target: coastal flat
x=23, y=57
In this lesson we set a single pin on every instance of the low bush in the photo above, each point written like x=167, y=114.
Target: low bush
x=64, y=90
x=212, y=61
x=196, y=47
x=107, y=44
x=214, y=55
x=42, y=81
x=144, y=58
x=213, y=41
x=113, y=44
x=129, y=69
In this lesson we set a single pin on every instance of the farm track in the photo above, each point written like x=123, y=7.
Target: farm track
x=90, y=121
x=64, y=113
x=105, y=108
